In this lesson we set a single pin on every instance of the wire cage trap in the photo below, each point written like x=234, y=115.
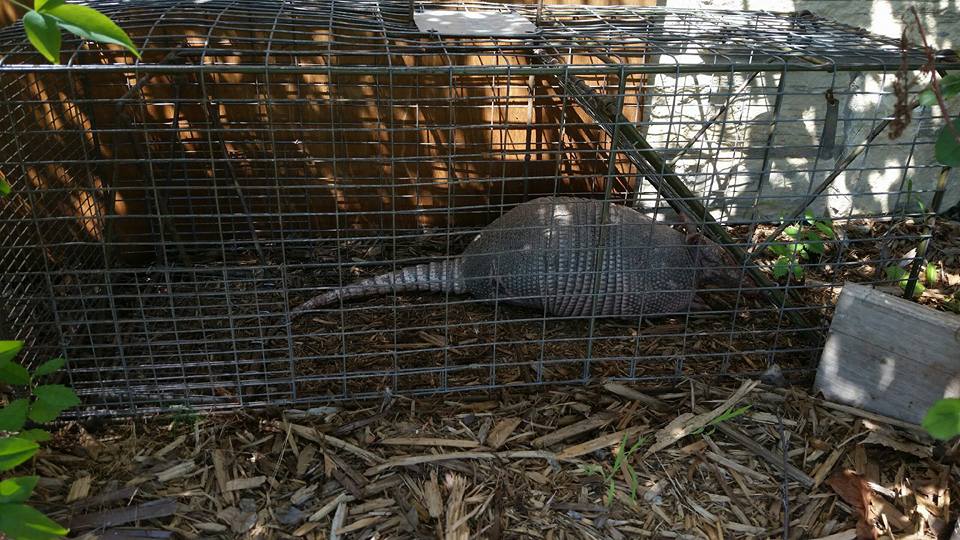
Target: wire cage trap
x=169, y=213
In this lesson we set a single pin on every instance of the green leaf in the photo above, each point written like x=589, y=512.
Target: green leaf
x=797, y=271
x=947, y=148
x=808, y=214
x=815, y=244
x=48, y=367
x=792, y=231
x=14, y=415
x=781, y=267
x=634, y=483
x=44, y=35
x=827, y=230
x=930, y=274
x=942, y=420
x=5, y=188
x=14, y=451
x=781, y=250
x=895, y=273
x=38, y=435
x=611, y=489
x=89, y=23
x=41, y=5
x=949, y=87
x=901, y=276
x=23, y=522
x=9, y=349
x=52, y=399
x=18, y=489
x=12, y=373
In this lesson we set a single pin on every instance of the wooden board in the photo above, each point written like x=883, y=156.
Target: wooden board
x=888, y=355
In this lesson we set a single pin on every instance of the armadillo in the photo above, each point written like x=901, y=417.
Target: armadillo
x=544, y=254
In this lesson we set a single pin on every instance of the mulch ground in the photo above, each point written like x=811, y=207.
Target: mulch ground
x=599, y=461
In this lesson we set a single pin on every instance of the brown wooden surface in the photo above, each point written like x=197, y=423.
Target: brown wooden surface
x=361, y=146
x=888, y=355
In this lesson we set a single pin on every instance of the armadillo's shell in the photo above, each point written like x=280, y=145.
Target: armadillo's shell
x=543, y=254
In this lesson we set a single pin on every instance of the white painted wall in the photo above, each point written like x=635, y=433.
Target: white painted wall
x=729, y=177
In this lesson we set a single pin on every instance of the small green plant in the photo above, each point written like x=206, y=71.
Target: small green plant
x=807, y=237
x=727, y=415
x=184, y=415
x=44, y=403
x=942, y=420
x=901, y=276
x=621, y=460
x=44, y=22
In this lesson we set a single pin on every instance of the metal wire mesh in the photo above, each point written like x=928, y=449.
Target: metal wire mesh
x=169, y=213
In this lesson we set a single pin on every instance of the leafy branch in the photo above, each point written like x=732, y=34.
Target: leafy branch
x=43, y=24
x=43, y=404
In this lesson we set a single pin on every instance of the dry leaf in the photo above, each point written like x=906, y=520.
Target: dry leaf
x=855, y=491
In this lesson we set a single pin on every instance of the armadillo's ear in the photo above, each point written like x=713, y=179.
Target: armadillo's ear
x=695, y=238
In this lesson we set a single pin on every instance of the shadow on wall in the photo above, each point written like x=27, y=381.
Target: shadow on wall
x=775, y=169
x=199, y=161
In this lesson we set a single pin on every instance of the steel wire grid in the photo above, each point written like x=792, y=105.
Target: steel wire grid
x=168, y=213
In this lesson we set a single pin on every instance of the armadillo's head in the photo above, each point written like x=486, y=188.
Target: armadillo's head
x=717, y=268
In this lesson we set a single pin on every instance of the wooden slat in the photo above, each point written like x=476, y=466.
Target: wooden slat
x=888, y=355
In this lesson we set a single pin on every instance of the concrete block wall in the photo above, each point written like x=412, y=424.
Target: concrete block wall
x=728, y=167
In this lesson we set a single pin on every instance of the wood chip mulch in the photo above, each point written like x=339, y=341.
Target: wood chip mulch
x=534, y=464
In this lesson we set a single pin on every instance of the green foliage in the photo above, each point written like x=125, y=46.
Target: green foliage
x=49, y=367
x=930, y=274
x=804, y=243
x=9, y=349
x=14, y=416
x=901, y=276
x=621, y=461
x=727, y=415
x=45, y=402
x=14, y=451
x=44, y=34
x=52, y=399
x=12, y=373
x=185, y=415
x=947, y=147
x=942, y=420
x=22, y=522
x=5, y=188
x=949, y=87
x=35, y=434
x=48, y=18
x=17, y=490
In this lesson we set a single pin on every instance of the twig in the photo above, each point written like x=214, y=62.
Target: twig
x=774, y=460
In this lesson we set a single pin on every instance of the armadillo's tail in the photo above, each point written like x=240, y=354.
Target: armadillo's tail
x=443, y=276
